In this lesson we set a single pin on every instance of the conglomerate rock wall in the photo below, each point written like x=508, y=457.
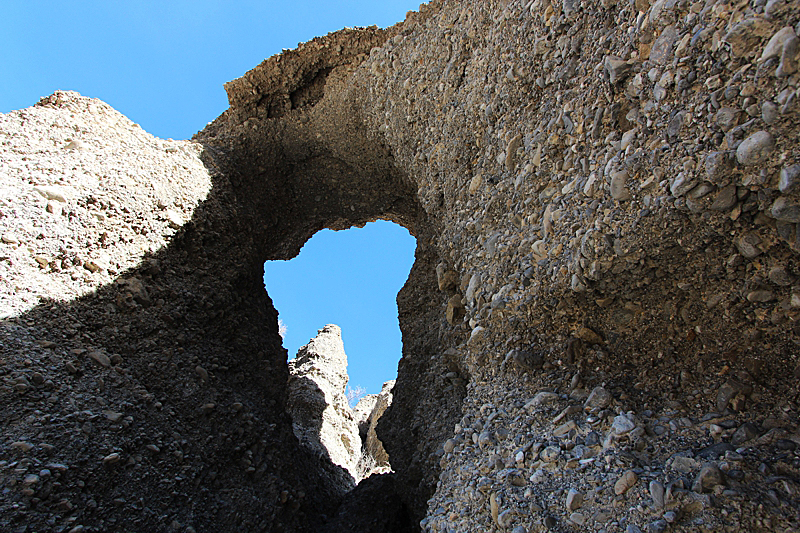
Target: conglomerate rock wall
x=599, y=330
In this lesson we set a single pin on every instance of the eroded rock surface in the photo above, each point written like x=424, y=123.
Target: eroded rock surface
x=373, y=447
x=599, y=331
x=321, y=415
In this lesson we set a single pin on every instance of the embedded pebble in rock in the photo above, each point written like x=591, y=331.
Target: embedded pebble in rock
x=449, y=445
x=657, y=492
x=550, y=454
x=756, y=148
x=709, y=476
x=779, y=275
x=625, y=482
x=682, y=184
x=769, y=112
x=727, y=118
x=574, y=500
x=789, y=179
x=790, y=57
x=598, y=399
x=622, y=425
x=745, y=35
x=22, y=446
x=577, y=518
x=774, y=47
x=760, y=296
x=618, y=186
x=662, y=48
x=589, y=335
x=617, y=69
x=112, y=458
x=748, y=245
x=718, y=166
x=725, y=199
x=746, y=432
x=540, y=399
x=101, y=358
x=786, y=209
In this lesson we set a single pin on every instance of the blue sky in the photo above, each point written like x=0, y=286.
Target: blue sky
x=163, y=64
x=350, y=278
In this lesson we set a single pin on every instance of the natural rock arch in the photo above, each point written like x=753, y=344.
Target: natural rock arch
x=576, y=231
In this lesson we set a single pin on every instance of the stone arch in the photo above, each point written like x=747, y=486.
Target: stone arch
x=203, y=371
x=295, y=169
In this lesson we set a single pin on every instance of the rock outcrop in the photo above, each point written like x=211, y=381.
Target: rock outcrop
x=321, y=415
x=599, y=330
x=373, y=452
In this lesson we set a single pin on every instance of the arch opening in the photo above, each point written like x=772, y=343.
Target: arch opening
x=338, y=319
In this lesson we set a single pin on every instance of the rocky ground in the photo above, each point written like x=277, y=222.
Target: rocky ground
x=86, y=194
x=599, y=331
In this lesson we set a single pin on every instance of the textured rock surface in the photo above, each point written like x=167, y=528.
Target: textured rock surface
x=373, y=447
x=322, y=419
x=623, y=316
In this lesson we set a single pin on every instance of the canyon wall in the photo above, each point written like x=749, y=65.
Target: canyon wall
x=599, y=330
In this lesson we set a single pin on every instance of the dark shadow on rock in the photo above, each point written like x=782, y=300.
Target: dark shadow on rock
x=307, y=410
x=179, y=419
x=374, y=506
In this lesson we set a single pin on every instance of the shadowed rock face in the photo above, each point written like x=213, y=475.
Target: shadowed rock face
x=321, y=416
x=582, y=176
x=373, y=447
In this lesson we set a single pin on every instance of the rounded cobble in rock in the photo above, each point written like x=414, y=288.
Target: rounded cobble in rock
x=786, y=209
x=780, y=276
x=625, y=482
x=789, y=179
x=598, y=399
x=709, y=476
x=756, y=148
x=449, y=445
x=657, y=493
x=574, y=499
x=769, y=112
x=622, y=425
x=550, y=454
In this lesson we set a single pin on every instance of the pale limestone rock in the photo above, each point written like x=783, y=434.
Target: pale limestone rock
x=321, y=417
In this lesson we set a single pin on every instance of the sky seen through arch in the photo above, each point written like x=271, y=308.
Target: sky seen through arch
x=349, y=278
